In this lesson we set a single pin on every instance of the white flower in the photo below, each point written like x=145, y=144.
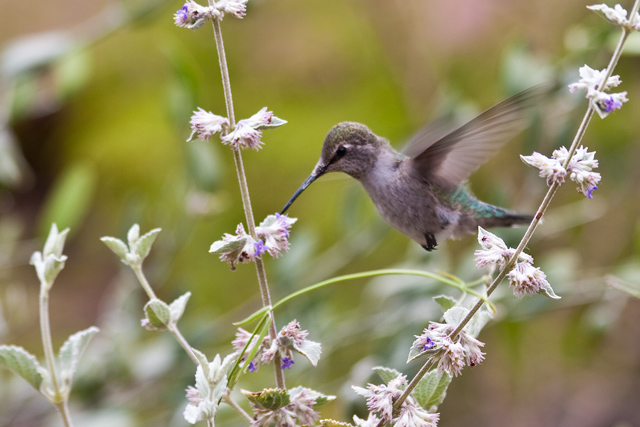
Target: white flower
x=590, y=80
x=414, y=416
x=192, y=15
x=528, y=280
x=602, y=103
x=235, y=7
x=274, y=231
x=494, y=250
x=616, y=15
x=550, y=169
x=206, y=124
x=243, y=136
x=240, y=248
x=247, y=132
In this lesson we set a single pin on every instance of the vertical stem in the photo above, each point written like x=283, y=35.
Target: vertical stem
x=58, y=398
x=541, y=210
x=244, y=192
x=143, y=281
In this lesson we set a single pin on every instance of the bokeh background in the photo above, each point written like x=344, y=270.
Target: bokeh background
x=96, y=99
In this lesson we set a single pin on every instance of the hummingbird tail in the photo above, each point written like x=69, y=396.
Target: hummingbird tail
x=503, y=218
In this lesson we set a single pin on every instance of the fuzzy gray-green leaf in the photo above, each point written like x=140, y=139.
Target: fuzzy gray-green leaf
x=117, y=246
x=445, y=302
x=71, y=351
x=311, y=350
x=431, y=389
x=387, y=374
x=22, y=363
x=270, y=398
x=177, y=307
x=454, y=315
x=158, y=313
x=143, y=245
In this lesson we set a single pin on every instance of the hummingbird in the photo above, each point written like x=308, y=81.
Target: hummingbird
x=421, y=192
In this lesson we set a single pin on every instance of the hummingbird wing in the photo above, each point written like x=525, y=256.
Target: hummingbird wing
x=454, y=156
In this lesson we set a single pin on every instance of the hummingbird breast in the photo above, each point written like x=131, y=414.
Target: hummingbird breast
x=409, y=205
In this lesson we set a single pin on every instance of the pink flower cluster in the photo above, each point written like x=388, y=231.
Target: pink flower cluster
x=579, y=168
x=524, y=277
x=273, y=238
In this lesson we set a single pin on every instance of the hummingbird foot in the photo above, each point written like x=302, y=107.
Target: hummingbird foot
x=431, y=242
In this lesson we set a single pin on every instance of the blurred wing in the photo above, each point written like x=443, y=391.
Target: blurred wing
x=453, y=157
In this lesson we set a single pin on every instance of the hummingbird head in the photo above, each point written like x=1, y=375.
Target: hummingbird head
x=349, y=147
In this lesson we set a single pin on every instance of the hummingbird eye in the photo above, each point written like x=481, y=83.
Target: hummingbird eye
x=340, y=152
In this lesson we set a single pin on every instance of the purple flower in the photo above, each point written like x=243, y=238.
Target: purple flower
x=611, y=104
x=181, y=16
x=275, y=232
x=429, y=344
x=260, y=248
x=286, y=363
x=590, y=190
x=192, y=15
x=450, y=355
x=252, y=367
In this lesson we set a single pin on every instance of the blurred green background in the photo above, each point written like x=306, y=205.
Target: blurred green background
x=96, y=99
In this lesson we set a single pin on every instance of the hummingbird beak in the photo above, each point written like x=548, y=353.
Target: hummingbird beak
x=317, y=173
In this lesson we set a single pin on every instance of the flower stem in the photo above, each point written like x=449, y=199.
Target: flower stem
x=183, y=343
x=227, y=399
x=143, y=281
x=244, y=192
x=541, y=209
x=58, y=398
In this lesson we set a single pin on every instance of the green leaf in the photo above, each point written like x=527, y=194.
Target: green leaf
x=70, y=353
x=22, y=363
x=387, y=374
x=311, y=350
x=202, y=358
x=478, y=321
x=454, y=315
x=256, y=315
x=158, y=313
x=177, y=307
x=445, y=302
x=219, y=247
x=431, y=389
x=117, y=246
x=547, y=291
x=270, y=398
x=143, y=245
x=275, y=122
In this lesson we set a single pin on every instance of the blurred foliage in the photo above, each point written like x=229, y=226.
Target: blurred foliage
x=96, y=98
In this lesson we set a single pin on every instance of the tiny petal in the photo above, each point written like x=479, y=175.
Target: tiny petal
x=429, y=344
x=252, y=367
x=550, y=169
x=414, y=416
x=605, y=103
x=287, y=363
x=244, y=136
x=235, y=7
x=616, y=15
x=260, y=248
x=206, y=124
x=527, y=279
